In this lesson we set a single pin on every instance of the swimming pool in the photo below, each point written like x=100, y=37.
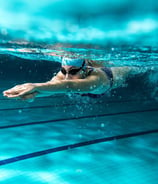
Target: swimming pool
x=73, y=139
x=69, y=139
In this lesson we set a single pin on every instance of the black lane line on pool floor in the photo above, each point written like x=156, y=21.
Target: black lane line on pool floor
x=61, y=105
x=75, y=118
x=72, y=146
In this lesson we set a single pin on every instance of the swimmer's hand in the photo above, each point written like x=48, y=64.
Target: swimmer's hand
x=23, y=91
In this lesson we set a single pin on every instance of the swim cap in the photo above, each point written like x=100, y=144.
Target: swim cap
x=72, y=62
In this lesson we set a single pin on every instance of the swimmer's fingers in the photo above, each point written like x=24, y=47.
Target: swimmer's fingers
x=19, y=90
x=12, y=96
x=10, y=92
x=23, y=97
x=16, y=94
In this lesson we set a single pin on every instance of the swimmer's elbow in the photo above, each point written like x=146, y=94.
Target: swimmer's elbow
x=82, y=87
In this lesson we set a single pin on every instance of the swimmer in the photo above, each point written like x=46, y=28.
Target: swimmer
x=75, y=76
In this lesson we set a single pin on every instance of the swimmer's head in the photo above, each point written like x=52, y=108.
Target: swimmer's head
x=73, y=68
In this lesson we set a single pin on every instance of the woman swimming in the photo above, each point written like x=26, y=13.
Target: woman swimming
x=75, y=76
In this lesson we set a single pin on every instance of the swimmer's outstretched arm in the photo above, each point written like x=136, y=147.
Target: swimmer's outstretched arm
x=87, y=85
x=97, y=83
x=92, y=83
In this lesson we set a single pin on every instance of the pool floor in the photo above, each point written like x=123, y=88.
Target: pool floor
x=36, y=141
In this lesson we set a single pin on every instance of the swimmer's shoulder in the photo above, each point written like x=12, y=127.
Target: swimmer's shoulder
x=94, y=63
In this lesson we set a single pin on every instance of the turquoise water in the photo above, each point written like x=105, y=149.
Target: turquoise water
x=43, y=141
x=68, y=139
x=72, y=139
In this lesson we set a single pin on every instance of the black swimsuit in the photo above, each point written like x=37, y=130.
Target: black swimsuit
x=109, y=74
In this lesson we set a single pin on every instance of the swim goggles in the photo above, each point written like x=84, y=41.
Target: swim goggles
x=73, y=71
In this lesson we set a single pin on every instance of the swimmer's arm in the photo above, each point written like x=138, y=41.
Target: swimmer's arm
x=90, y=84
x=98, y=81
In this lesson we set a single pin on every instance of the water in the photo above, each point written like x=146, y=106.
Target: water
x=67, y=138
x=39, y=129
x=44, y=141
